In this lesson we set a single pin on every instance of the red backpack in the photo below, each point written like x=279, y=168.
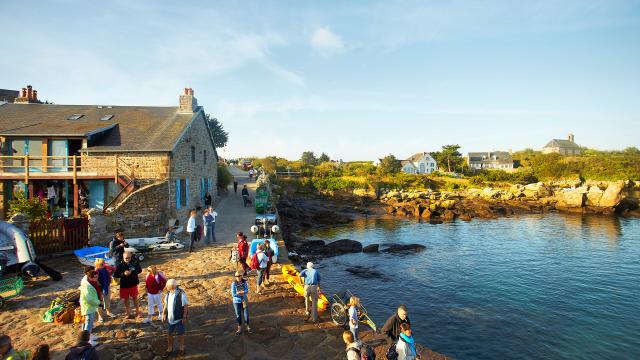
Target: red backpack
x=254, y=264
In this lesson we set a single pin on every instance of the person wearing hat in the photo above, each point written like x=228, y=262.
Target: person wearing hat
x=239, y=292
x=311, y=279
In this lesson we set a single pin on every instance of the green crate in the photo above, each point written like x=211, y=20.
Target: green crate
x=10, y=288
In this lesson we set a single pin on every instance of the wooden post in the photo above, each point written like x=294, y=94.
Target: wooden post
x=76, y=205
x=26, y=169
x=45, y=152
x=75, y=171
x=30, y=189
x=115, y=178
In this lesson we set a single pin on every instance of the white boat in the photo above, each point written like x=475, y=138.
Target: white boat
x=87, y=256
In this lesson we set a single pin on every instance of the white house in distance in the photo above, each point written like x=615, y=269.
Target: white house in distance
x=490, y=160
x=420, y=163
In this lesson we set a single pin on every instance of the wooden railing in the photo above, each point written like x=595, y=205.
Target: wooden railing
x=29, y=167
x=125, y=176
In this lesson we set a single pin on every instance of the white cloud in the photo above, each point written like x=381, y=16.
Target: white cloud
x=326, y=42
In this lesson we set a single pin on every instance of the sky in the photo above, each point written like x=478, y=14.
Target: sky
x=357, y=80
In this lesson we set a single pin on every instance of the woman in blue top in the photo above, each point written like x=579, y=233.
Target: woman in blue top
x=406, y=347
x=239, y=291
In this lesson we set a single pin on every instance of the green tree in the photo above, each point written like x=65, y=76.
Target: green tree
x=309, y=158
x=389, y=165
x=323, y=158
x=449, y=158
x=220, y=137
x=34, y=207
x=224, y=176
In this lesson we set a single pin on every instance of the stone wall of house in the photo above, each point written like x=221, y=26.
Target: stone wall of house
x=183, y=167
x=148, y=166
x=143, y=213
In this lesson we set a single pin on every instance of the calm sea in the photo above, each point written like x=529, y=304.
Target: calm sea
x=533, y=287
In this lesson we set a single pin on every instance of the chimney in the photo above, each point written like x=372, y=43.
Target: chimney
x=35, y=95
x=188, y=103
x=571, y=138
x=29, y=93
x=28, y=96
x=24, y=93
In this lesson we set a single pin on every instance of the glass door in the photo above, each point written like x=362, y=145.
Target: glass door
x=60, y=150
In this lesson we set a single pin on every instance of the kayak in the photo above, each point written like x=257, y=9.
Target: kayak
x=291, y=275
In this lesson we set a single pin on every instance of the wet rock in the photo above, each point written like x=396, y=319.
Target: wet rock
x=373, y=248
x=403, y=248
x=363, y=272
x=448, y=215
x=343, y=246
x=426, y=213
x=612, y=196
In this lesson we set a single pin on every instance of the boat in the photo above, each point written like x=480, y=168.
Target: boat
x=292, y=276
x=87, y=256
x=254, y=247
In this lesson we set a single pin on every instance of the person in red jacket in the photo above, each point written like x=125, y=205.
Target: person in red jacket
x=243, y=250
x=155, y=282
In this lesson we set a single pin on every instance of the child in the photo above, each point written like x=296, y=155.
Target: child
x=191, y=229
x=155, y=283
x=354, y=303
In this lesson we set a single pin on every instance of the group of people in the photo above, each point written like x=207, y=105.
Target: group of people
x=206, y=230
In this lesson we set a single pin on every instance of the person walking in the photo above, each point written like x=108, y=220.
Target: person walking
x=89, y=301
x=104, y=279
x=391, y=327
x=175, y=314
x=239, y=293
x=354, y=304
x=311, y=279
x=353, y=345
x=262, y=266
x=155, y=283
x=117, y=246
x=235, y=186
x=207, y=200
x=268, y=250
x=83, y=349
x=406, y=347
x=243, y=251
x=128, y=272
x=7, y=352
x=245, y=195
x=191, y=229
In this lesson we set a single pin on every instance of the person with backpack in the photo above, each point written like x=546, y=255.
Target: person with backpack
x=83, y=350
x=239, y=293
x=406, y=347
x=128, y=272
x=270, y=253
x=259, y=263
x=7, y=352
x=191, y=229
x=311, y=279
x=356, y=349
x=155, y=283
x=175, y=314
x=391, y=327
x=117, y=245
x=89, y=301
x=104, y=279
x=243, y=251
x=354, y=303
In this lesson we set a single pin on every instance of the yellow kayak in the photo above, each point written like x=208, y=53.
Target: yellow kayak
x=291, y=275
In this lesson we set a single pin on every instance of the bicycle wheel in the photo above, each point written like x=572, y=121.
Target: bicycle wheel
x=338, y=314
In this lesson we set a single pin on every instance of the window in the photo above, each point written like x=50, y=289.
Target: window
x=182, y=193
x=193, y=154
x=75, y=117
x=106, y=118
x=204, y=156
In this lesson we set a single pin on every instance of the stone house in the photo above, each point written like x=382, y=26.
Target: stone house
x=563, y=147
x=137, y=166
x=492, y=160
x=420, y=163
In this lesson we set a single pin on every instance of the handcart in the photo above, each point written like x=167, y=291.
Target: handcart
x=340, y=311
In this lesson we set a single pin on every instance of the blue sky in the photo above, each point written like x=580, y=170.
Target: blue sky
x=357, y=80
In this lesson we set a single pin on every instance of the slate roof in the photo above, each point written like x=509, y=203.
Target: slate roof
x=562, y=144
x=417, y=156
x=132, y=128
x=502, y=157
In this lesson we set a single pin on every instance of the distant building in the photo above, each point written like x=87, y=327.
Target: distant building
x=564, y=147
x=8, y=96
x=490, y=160
x=420, y=163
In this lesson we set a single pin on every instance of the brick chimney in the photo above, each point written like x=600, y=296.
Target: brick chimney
x=188, y=103
x=571, y=138
x=28, y=96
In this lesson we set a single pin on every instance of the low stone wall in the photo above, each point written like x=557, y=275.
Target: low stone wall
x=145, y=212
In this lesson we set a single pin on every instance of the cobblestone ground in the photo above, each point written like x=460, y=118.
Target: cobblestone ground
x=277, y=317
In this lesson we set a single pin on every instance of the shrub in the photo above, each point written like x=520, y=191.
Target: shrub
x=224, y=176
x=34, y=207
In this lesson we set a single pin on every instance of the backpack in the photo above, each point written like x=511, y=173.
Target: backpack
x=366, y=352
x=50, y=314
x=392, y=353
x=65, y=316
x=235, y=256
x=254, y=264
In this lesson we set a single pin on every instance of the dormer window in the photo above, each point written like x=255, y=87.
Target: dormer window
x=106, y=118
x=75, y=117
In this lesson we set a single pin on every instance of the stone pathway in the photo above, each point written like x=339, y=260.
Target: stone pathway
x=277, y=317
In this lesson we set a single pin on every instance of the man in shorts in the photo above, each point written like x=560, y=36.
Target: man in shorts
x=128, y=272
x=175, y=314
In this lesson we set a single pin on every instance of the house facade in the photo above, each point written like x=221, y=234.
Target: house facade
x=492, y=160
x=564, y=147
x=141, y=164
x=420, y=163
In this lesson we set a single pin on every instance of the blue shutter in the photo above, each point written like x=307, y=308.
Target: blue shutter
x=186, y=192
x=202, y=188
x=177, y=193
